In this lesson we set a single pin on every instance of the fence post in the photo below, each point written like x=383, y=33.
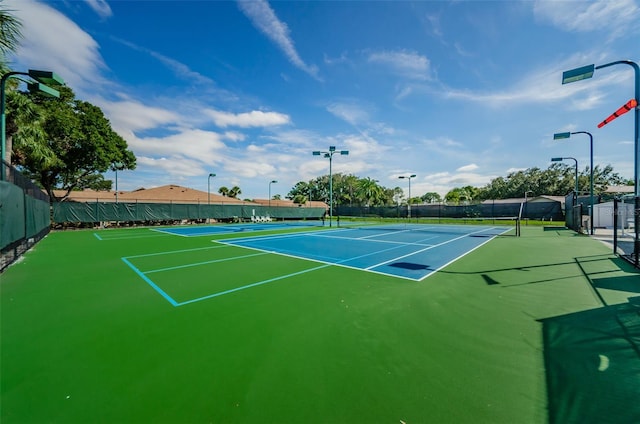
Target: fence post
x=616, y=220
x=636, y=222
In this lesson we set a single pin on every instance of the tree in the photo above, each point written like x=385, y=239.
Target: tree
x=235, y=192
x=276, y=197
x=223, y=190
x=80, y=142
x=10, y=35
x=431, y=197
x=369, y=192
x=461, y=195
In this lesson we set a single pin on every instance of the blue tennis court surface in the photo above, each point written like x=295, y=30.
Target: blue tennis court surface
x=411, y=251
x=208, y=230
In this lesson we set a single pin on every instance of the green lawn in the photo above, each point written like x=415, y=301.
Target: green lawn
x=85, y=339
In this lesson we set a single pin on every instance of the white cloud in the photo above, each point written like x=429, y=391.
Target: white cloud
x=255, y=118
x=179, y=69
x=617, y=18
x=200, y=146
x=129, y=116
x=467, y=168
x=403, y=62
x=174, y=166
x=349, y=112
x=265, y=19
x=53, y=42
x=101, y=7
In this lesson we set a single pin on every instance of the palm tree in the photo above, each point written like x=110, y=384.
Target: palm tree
x=234, y=192
x=9, y=35
x=25, y=136
x=223, y=190
x=370, y=192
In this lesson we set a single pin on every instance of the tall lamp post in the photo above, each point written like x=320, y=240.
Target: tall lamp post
x=41, y=78
x=525, y=200
x=576, y=177
x=586, y=72
x=117, y=166
x=402, y=177
x=209, y=196
x=271, y=182
x=561, y=136
x=329, y=155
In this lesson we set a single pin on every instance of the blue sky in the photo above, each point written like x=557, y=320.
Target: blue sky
x=456, y=92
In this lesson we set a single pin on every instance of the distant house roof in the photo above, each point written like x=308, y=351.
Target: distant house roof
x=163, y=194
x=620, y=189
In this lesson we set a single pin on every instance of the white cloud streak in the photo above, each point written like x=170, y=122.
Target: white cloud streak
x=101, y=7
x=404, y=63
x=264, y=19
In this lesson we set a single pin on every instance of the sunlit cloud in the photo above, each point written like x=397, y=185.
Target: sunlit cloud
x=255, y=118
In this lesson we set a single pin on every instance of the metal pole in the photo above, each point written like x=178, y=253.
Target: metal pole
x=409, y=203
x=117, y=185
x=330, y=190
x=636, y=138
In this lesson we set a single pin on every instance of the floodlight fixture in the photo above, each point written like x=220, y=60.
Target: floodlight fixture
x=211, y=175
x=271, y=182
x=587, y=72
x=564, y=135
x=577, y=74
x=409, y=177
x=42, y=78
x=329, y=155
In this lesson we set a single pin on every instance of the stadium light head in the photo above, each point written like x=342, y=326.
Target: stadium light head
x=273, y=181
x=556, y=159
x=344, y=152
x=37, y=87
x=332, y=148
x=45, y=77
x=412, y=176
x=577, y=74
x=316, y=153
x=212, y=175
x=561, y=136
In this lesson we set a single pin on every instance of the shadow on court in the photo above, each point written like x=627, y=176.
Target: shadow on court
x=592, y=361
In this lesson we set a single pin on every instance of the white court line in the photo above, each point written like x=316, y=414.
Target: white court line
x=430, y=247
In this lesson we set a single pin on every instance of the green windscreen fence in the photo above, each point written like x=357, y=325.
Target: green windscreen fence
x=25, y=216
x=66, y=212
x=548, y=211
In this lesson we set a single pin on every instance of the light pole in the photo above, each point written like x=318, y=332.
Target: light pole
x=209, y=188
x=409, y=201
x=576, y=177
x=525, y=200
x=42, y=78
x=329, y=154
x=117, y=166
x=271, y=182
x=209, y=197
x=560, y=136
x=585, y=72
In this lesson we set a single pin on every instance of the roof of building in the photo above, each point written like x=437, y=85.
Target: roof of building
x=620, y=189
x=163, y=194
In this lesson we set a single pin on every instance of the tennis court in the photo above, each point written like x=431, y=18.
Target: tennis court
x=410, y=252
x=315, y=325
